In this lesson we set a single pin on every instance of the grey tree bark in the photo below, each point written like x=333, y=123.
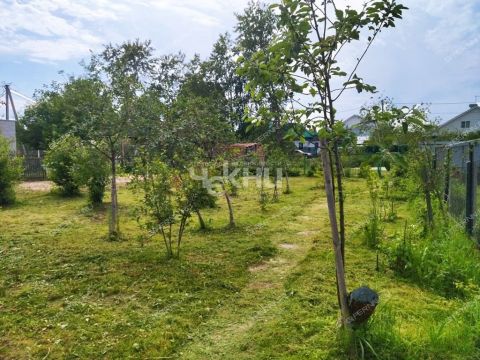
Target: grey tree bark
x=337, y=246
x=114, y=228
x=229, y=203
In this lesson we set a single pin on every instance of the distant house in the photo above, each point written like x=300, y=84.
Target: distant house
x=242, y=150
x=7, y=129
x=466, y=122
x=310, y=144
x=354, y=123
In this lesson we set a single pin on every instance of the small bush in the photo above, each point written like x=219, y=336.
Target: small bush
x=91, y=169
x=263, y=199
x=10, y=172
x=401, y=256
x=72, y=165
x=168, y=202
x=60, y=161
x=373, y=228
x=365, y=171
x=373, y=231
x=347, y=172
x=293, y=172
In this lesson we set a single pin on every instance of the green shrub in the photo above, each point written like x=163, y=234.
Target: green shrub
x=169, y=199
x=365, y=170
x=72, y=165
x=263, y=199
x=347, y=172
x=294, y=172
x=60, y=161
x=91, y=169
x=373, y=231
x=401, y=256
x=373, y=228
x=10, y=172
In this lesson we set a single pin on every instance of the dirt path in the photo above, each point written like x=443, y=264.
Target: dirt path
x=48, y=185
x=36, y=185
x=260, y=300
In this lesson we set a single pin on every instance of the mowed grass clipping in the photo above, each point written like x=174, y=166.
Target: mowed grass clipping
x=263, y=290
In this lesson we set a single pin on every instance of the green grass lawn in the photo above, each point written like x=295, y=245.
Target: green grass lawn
x=264, y=290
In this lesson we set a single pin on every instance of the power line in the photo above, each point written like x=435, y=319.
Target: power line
x=419, y=102
x=433, y=103
x=22, y=96
x=354, y=109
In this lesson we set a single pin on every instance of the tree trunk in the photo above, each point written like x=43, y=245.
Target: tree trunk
x=200, y=220
x=114, y=225
x=229, y=203
x=341, y=200
x=287, y=191
x=180, y=235
x=330, y=161
x=341, y=285
x=275, y=188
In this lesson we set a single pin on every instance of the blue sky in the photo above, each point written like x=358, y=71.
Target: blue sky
x=432, y=56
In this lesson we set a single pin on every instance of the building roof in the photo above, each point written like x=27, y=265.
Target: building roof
x=309, y=134
x=472, y=109
x=245, y=145
x=353, y=121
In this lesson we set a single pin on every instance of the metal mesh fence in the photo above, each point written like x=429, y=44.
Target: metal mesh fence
x=461, y=165
x=458, y=181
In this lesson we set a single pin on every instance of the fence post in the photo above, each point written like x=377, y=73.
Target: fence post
x=470, y=198
x=448, y=159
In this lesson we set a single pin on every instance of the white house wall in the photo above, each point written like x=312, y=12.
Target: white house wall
x=7, y=129
x=456, y=125
x=308, y=145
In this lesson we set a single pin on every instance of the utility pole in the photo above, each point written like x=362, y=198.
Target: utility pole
x=7, y=99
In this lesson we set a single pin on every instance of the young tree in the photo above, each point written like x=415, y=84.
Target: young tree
x=256, y=29
x=305, y=56
x=103, y=106
x=275, y=161
x=407, y=128
x=169, y=199
x=44, y=121
x=220, y=72
x=226, y=189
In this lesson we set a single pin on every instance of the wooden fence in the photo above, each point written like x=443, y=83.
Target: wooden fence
x=33, y=165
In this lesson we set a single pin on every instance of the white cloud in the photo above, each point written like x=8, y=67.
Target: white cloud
x=53, y=30
x=456, y=33
x=58, y=30
x=434, y=49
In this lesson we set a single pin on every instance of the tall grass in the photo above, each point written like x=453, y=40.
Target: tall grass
x=444, y=260
x=454, y=336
